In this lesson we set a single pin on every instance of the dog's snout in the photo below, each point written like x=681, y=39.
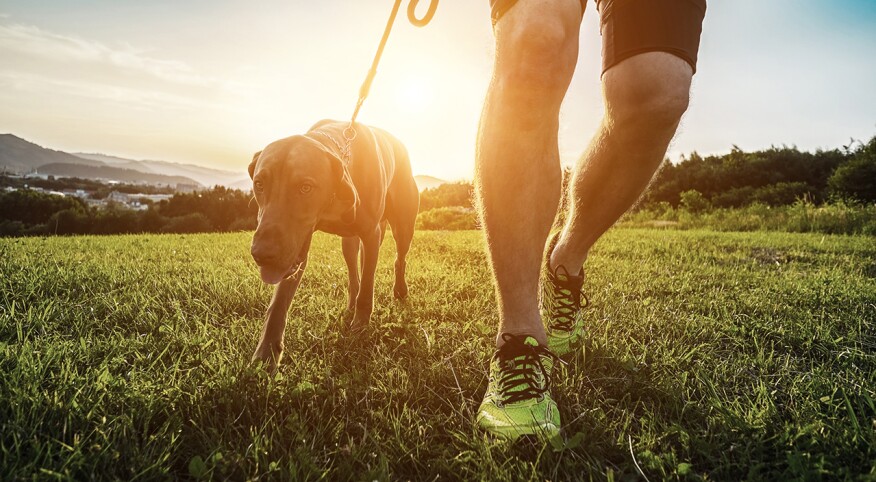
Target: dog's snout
x=262, y=255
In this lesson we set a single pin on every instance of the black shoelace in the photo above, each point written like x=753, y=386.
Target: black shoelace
x=520, y=365
x=568, y=297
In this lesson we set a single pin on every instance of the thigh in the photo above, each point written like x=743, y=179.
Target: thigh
x=633, y=27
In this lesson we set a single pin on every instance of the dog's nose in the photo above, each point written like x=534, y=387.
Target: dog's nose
x=262, y=256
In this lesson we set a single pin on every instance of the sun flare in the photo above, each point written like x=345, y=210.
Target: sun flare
x=416, y=94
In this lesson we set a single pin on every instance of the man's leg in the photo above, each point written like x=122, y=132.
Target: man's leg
x=645, y=97
x=518, y=174
x=518, y=184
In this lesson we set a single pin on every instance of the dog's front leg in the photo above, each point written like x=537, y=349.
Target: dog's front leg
x=270, y=348
x=350, y=245
x=365, y=298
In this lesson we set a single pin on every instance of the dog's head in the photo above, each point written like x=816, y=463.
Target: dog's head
x=297, y=183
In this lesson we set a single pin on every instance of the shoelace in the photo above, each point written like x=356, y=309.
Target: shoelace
x=520, y=381
x=566, y=301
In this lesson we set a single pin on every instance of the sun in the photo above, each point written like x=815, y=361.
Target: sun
x=416, y=94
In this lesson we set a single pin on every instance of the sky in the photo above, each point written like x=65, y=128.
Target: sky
x=209, y=82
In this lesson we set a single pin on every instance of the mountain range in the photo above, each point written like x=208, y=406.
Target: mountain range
x=19, y=156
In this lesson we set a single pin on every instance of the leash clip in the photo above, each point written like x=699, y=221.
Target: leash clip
x=349, y=135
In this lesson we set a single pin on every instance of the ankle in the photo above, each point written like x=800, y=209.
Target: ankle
x=538, y=334
x=570, y=259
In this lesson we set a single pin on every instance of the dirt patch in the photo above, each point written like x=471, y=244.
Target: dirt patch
x=769, y=256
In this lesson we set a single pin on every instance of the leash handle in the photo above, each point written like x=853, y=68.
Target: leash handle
x=421, y=22
x=365, y=89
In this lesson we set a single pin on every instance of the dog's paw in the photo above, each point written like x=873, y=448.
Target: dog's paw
x=269, y=357
x=400, y=292
x=358, y=325
x=348, y=315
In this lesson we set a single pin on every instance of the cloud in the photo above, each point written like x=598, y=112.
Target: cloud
x=52, y=47
x=37, y=86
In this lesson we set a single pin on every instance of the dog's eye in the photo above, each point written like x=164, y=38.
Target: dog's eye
x=259, y=187
x=305, y=188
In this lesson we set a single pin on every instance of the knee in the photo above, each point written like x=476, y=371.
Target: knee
x=658, y=107
x=655, y=98
x=536, y=55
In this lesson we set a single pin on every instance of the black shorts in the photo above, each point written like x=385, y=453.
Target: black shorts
x=632, y=27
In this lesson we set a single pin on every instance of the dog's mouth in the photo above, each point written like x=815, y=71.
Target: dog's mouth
x=273, y=274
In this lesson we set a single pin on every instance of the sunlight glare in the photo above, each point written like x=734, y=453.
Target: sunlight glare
x=416, y=94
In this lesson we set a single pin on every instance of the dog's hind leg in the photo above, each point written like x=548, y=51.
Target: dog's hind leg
x=403, y=236
x=270, y=348
x=402, y=214
x=350, y=247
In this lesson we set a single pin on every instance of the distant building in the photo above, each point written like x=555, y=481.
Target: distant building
x=118, y=197
x=80, y=193
x=134, y=201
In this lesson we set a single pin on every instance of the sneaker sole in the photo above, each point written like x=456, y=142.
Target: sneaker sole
x=513, y=432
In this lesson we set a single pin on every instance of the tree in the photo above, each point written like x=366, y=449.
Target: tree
x=856, y=179
x=694, y=202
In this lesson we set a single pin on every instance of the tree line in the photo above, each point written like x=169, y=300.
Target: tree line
x=772, y=177
x=27, y=212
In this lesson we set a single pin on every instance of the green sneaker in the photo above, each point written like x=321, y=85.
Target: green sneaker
x=562, y=304
x=518, y=401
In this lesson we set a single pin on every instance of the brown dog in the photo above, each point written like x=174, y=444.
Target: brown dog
x=307, y=183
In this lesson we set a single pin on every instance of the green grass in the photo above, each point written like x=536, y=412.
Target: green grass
x=717, y=356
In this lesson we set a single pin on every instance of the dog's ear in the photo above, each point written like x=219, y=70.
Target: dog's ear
x=345, y=191
x=251, y=168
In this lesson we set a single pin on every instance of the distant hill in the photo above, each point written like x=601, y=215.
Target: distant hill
x=243, y=184
x=20, y=156
x=203, y=175
x=428, y=182
x=111, y=173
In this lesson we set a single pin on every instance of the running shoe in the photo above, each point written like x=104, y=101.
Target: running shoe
x=518, y=400
x=562, y=304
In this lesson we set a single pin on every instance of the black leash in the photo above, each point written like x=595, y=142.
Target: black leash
x=349, y=132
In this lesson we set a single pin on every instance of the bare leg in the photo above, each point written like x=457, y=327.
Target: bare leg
x=350, y=247
x=270, y=347
x=518, y=171
x=365, y=299
x=645, y=97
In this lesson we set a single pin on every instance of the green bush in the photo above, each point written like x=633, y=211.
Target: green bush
x=856, y=179
x=452, y=194
x=694, y=202
x=449, y=218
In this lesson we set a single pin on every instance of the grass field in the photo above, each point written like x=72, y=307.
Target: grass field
x=717, y=356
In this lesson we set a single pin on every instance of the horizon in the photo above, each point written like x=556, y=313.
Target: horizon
x=220, y=80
